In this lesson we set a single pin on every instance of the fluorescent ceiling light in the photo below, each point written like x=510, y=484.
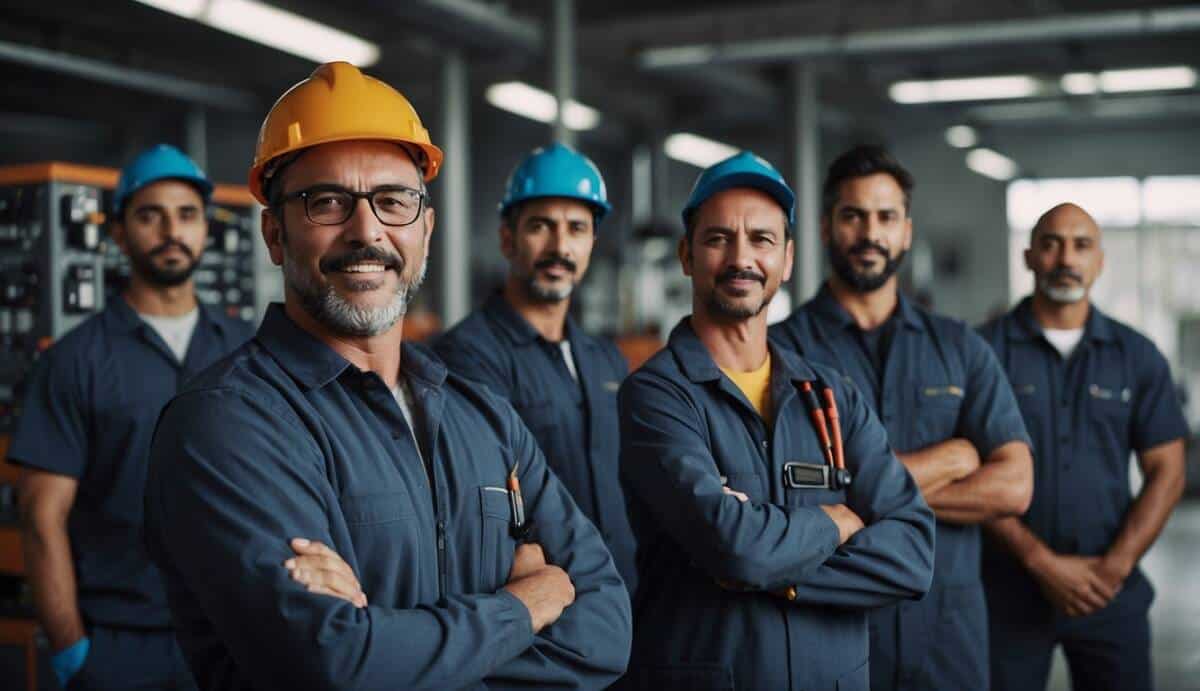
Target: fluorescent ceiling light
x=1079, y=83
x=696, y=150
x=972, y=89
x=533, y=103
x=1148, y=79
x=962, y=136
x=991, y=164
x=279, y=29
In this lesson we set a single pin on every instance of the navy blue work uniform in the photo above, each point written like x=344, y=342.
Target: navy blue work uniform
x=286, y=439
x=1086, y=414
x=685, y=429
x=89, y=413
x=574, y=423
x=928, y=378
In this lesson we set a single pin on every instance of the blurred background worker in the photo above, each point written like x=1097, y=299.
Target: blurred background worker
x=477, y=569
x=752, y=577
x=947, y=407
x=524, y=344
x=1092, y=390
x=85, y=434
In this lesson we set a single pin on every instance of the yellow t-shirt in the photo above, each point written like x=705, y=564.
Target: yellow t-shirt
x=756, y=385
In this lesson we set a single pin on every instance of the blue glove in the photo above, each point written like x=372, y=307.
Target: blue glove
x=69, y=660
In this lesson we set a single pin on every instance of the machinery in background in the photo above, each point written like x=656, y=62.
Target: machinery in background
x=58, y=267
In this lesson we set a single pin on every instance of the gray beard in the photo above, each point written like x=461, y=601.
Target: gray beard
x=344, y=318
x=1063, y=296
x=538, y=293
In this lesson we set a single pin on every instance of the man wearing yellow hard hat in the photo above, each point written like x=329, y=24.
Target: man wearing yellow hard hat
x=330, y=507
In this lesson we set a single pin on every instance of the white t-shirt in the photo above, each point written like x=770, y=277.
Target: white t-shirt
x=1064, y=340
x=565, y=345
x=404, y=399
x=176, y=332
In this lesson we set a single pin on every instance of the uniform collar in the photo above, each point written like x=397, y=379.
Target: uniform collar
x=517, y=329
x=127, y=318
x=314, y=364
x=698, y=366
x=1024, y=327
x=826, y=305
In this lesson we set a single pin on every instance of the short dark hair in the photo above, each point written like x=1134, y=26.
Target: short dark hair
x=860, y=162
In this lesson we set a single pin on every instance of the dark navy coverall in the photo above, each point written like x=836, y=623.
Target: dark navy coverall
x=939, y=381
x=89, y=413
x=1086, y=414
x=575, y=424
x=684, y=428
x=286, y=439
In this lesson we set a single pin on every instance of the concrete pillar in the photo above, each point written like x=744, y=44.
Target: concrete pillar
x=563, y=64
x=195, y=135
x=454, y=208
x=804, y=176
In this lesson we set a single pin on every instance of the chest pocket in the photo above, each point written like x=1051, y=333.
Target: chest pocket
x=936, y=412
x=1109, y=408
x=496, y=544
x=385, y=538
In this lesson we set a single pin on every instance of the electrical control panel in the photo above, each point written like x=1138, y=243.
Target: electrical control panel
x=58, y=266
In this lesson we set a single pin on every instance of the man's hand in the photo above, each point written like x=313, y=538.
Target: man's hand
x=1071, y=583
x=848, y=523
x=545, y=593
x=741, y=496
x=322, y=570
x=965, y=455
x=1112, y=570
x=527, y=560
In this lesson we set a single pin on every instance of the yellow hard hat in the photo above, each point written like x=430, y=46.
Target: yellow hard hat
x=339, y=103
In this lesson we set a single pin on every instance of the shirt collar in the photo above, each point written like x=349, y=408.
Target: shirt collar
x=698, y=366
x=130, y=321
x=825, y=304
x=1025, y=327
x=314, y=364
x=519, y=330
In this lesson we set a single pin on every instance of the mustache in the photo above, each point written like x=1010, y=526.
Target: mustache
x=1063, y=272
x=865, y=245
x=736, y=274
x=365, y=254
x=168, y=245
x=555, y=260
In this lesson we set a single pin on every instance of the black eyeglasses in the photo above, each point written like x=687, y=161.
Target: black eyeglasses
x=330, y=205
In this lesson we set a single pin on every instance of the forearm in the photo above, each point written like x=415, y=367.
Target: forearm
x=1000, y=488
x=1148, y=515
x=52, y=580
x=1018, y=539
x=934, y=467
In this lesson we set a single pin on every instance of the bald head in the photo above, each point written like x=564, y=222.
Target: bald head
x=1064, y=254
x=1066, y=216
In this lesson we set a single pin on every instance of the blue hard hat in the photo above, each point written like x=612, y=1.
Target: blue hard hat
x=159, y=162
x=557, y=171
x=741, y=170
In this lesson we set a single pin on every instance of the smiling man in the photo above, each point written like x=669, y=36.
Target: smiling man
x=1092, y=391
x=524, y=344
x=757, y=560
x=84, y=437
x=947, y=406
x=331, y=508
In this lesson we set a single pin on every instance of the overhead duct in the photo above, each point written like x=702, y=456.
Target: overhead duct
x=1121, y=24
x=185, y=90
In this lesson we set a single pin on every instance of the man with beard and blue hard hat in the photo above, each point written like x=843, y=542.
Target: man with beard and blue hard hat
x=770, y=512
x=525, y=346
x=84, y=438
x=331, y=508
x=947, y=407
x=1093, y=391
